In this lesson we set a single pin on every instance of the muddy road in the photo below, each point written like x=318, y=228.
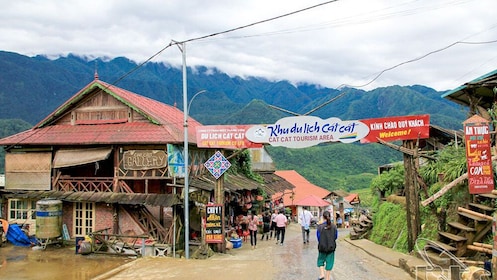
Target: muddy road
x=294, y=260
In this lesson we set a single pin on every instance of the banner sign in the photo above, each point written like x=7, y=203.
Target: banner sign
x=224, y=136
x=478, y=155
x=214, y=223
x=307, y=131
x=397, y=128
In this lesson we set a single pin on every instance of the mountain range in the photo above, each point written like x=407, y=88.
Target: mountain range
x=33, y=87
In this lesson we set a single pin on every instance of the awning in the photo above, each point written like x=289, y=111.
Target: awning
x=232, y=182
x=73, y=157
x=274, y=183
x=166, y=200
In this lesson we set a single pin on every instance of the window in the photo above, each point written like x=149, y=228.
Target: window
x=21, y=210
x=84, y=218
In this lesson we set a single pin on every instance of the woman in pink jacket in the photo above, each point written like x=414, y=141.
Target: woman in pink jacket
x=253, y=223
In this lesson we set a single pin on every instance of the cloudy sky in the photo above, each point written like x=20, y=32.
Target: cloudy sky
x=359, y=43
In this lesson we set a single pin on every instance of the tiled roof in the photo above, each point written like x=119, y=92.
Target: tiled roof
x=312, y=200
x=303, y=188
x=165, y=126
x=351, y=197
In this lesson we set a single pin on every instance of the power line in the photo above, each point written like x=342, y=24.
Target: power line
x=407, y=12
x=216, y=34
x=416, y=59
x=256, y=23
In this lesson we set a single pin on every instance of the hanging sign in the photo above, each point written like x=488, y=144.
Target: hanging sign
x=307, y=131
x=224, y=136
x=397, y=128
x=217, y=164
x=478, y=155
x=213, y=223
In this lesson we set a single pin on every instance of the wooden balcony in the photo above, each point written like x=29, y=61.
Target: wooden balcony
x=89, y=184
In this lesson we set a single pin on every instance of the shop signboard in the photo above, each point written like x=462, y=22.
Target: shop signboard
x=478, y=155
x=214, y=223
x=397, y=128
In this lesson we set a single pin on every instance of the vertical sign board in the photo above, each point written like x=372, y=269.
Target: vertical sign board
x=478, y=155
x=214, y=223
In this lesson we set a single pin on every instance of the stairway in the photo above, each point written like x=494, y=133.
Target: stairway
x=464, y=236
x=147, y=222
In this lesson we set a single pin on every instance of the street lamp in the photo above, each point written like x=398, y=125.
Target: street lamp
x=185, y=155
x=186, y=110
x=191, y=100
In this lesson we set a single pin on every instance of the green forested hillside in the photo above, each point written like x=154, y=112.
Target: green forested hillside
x=33, y=87
x=336, y=166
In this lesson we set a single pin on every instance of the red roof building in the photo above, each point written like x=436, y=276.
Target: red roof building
x=113, y=159
x=304, y=192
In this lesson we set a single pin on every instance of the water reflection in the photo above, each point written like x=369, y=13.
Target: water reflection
x=55, y=262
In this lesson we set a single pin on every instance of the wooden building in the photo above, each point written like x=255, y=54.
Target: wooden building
x=115, y=161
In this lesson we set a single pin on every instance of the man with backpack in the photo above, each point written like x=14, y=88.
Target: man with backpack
x=305, y=219
x=327, y=235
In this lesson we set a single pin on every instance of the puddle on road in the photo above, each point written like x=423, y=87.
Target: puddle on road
x=55, y=262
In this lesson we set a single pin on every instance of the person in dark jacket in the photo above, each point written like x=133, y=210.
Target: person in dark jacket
x=266, y=221
x=327, y=235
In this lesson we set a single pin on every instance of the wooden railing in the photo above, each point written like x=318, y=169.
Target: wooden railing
x=89, y=184
x=117, y=244
x=84, y=184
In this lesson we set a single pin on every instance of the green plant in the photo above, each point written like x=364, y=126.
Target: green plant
x=390, y=228
x=389, y=182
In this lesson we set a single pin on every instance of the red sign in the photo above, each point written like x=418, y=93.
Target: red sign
x=224, y=136
x=478, y=155
x=397, y=128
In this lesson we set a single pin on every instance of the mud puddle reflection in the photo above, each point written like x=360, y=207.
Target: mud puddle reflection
x=55, y=262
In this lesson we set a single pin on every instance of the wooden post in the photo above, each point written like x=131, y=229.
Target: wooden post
x=219, y=195
x=412, y=197
x=115, y=218
x=494, y=249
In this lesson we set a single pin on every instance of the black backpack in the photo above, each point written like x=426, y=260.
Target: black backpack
x=327, y=242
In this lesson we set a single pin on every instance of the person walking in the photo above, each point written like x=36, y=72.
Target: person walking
x=281, y=222
x=305, y=221
x=252, y=227
x=266, y=221
x=327, y=235
x=272, y=226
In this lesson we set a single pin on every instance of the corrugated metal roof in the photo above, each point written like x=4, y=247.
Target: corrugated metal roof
x=274, y=183
x=165, y=200
x=232, y=182
x=165, y=126
x=479, y=91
